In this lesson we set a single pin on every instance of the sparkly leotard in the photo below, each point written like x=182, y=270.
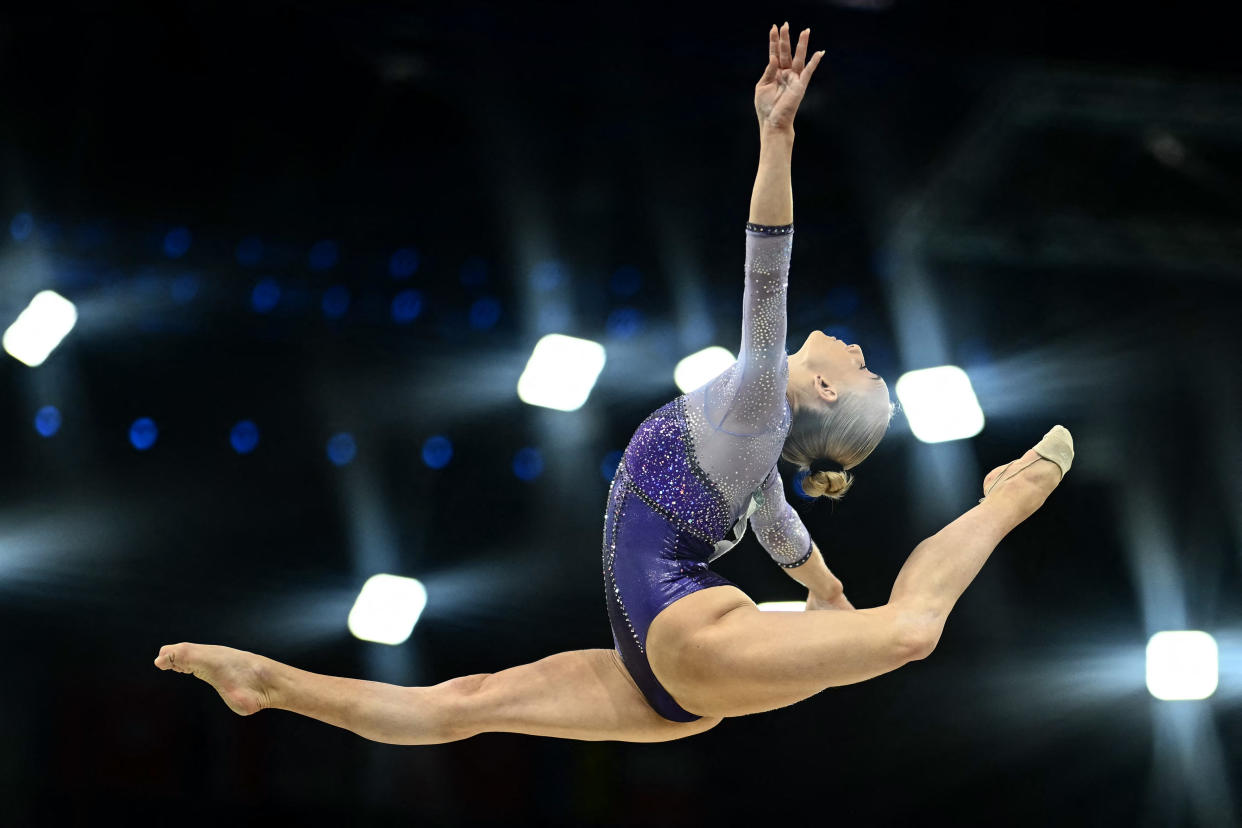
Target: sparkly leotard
x=698, y=468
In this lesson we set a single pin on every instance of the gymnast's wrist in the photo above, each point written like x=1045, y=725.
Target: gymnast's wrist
x=782, y=134
x=829, y=591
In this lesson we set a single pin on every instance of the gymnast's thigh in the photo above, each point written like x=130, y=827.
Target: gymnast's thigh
x=671, y=638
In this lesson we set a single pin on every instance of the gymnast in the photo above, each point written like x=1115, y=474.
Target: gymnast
x=690, y=647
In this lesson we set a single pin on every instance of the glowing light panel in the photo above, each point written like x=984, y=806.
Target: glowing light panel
x=696, y=369
x=40, y=328
x=387, y=609
x=561, y=372
x=940, y=404
x=1182, y=664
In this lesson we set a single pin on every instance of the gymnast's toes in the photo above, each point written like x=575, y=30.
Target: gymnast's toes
x=239, y=677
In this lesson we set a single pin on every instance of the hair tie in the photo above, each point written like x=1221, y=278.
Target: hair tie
x=824, y=464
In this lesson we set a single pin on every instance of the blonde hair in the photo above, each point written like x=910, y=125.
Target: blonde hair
x=845, y=431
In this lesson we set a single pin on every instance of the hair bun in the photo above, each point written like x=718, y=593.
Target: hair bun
x=831, y=484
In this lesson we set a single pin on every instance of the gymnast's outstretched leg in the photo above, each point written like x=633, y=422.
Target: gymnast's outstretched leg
x=719, y=656
x=581, y=694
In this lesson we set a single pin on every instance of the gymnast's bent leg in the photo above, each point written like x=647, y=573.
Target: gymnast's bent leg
x=581, y=694
x=718, y=655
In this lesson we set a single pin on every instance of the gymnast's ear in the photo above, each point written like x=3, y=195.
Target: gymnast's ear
x=825, y=390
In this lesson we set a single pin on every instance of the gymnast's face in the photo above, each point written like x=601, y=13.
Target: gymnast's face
x=826, y=367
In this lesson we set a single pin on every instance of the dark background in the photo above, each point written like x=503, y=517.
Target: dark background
x=1044, y=193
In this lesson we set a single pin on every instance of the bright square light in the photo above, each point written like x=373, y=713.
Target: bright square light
x=940, y=404
x=701, y=366
x=387, y=609
x=40, y=328
x=561, y=372
x=783, y=606
x=1182, y=664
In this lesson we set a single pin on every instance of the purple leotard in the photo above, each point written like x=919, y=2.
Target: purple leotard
x=698, y=468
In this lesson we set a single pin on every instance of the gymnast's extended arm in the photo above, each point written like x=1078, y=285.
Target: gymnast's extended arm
x=777, y=526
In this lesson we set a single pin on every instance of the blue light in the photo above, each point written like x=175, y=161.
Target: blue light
x=335, y=301
x=624, y=322
x=474, y=272
x=249, y=251
x=244, y=437
x=406, y=306
x=143, y=433
x=484, y=313
x=437, y=451
x=547, y=276
x=47, y=421
x=626, y=281
x=184, y=288
x=608, y=468
x=341, y=448
x=797, y=485
x=528, y=464
x=324, y=254
x=265, y=295
x=403, y=263
x=177, y=242
x=21, y=226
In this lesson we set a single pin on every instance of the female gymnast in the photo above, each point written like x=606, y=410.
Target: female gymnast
x=690, y=647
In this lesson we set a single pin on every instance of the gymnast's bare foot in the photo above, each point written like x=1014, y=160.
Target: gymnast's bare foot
x=241, y=678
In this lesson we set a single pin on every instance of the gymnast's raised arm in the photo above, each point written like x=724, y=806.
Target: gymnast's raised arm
x=777, y=96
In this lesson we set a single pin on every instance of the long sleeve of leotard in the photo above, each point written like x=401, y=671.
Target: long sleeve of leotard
x=750, y=398
x=778, y=527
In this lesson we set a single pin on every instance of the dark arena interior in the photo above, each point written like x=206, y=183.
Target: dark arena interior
x=310, y=248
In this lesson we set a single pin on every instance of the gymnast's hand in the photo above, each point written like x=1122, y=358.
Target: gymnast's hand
x=838, y=602
x=780, y=90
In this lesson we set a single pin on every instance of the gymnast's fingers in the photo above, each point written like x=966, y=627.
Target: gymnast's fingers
x=799, y=61
x=769, y=72
x=786, y=60
x=810, y=68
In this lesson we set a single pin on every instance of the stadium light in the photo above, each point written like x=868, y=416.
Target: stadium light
x=1182, y=664
x=40, y=328
x=701, y=366
x=940, y=404
x=387, y=609
x=561, y=372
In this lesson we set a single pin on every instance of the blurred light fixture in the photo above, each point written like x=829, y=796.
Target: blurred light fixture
x=437, y=451
x=40, y=328
x=143, y=433
x=244, y=437
x=696, y=369
x=940, y=404
x=561, y=372
x=1182, y=664
x=265, y=295
x=342, y=449
x=47, y=421
x=406, y=306
x=387, y=609
x=528, y=463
